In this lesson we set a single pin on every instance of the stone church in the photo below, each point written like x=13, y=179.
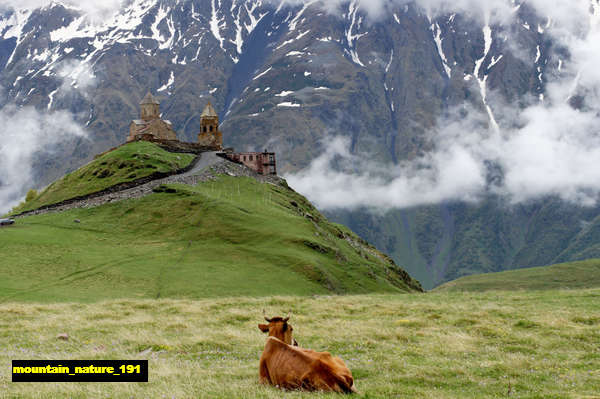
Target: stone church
x=150, y=123
x=152, y=128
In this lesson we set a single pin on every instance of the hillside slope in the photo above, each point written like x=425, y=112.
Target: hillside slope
x=225, y=236
x=444, y=242
x=127, y=163
x=583, y=274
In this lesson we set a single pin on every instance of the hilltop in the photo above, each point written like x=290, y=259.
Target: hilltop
x=132, y=162
x=224, y=231
x=573, y=275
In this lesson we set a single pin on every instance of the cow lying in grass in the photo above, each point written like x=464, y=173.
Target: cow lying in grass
x=289, y=367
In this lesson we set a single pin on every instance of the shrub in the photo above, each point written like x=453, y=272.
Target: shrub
x=31, y=195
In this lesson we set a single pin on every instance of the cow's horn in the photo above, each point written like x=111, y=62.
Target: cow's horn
x=288, y=316
x=266, y=318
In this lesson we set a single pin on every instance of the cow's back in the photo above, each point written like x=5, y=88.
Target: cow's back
x=297, y=368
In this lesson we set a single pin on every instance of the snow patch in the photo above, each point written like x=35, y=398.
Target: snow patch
x=437, y=37
x=353, y=38
x=288, y=104
x=262, y=74
x=216, y=23
x=51, y=97
x=494, y=61
x=294, y=22
x=487, y=36
x=168, y=84
x=389, y=64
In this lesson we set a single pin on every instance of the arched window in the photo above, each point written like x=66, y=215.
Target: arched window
x=204, y=129
x=210, y=128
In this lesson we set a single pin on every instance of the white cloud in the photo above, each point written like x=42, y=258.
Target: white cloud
x=95, y=9
x=451, y=173
x=26, y=132
x=556, y=152
x=546, y=148
x=76, y=74
x=567, y=12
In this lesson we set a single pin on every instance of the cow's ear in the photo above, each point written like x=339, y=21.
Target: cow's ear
x=263, y=327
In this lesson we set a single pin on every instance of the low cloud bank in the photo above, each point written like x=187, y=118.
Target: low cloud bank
x=556, y=152
x=545, y=148
x=24, y=133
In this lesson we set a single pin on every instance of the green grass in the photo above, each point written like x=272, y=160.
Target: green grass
x=124, y=164
x=229, y=237
x=582, y=274
x=543, y=344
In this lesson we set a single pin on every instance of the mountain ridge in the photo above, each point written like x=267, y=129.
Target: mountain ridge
x=288, y=78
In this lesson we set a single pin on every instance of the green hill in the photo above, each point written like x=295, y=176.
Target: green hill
x=444, y=242
x=226, y=237
x=582, y=274
x=127, y=163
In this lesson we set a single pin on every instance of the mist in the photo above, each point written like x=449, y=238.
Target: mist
x=95, y=10
x=26, y=132
x=554, y=150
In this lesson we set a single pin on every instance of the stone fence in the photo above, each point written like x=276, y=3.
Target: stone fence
x=115, y=188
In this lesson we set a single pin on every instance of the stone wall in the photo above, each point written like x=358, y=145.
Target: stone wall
x=112, y=189
x=143, y=187
x=178, y=146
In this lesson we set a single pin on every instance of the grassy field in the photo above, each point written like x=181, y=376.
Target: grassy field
x=126, y=163
x=541, y=344
x=233, y=236
x=582, y=274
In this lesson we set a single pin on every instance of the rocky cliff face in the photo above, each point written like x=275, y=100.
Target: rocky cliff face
x=288, y=77
x=279, y=76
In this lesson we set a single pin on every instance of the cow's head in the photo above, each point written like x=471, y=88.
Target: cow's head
x=279, y=328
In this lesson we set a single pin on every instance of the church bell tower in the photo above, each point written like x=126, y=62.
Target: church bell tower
x=209, y=128
x=150, y=108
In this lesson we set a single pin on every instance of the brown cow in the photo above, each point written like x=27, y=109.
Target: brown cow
x=291, y=367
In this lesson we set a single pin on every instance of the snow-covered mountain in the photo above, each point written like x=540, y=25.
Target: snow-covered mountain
x=283, y=75
x=253, y=58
